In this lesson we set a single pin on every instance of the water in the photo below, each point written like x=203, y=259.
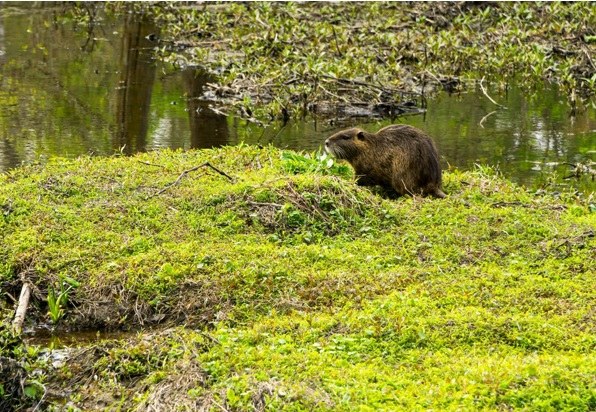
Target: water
x=69, y=89
x=45, y=338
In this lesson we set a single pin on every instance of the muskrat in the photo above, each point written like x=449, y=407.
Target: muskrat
x=398, y=157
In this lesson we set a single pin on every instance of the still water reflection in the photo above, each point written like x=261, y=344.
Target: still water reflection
x=135, y=85
x=67, y=90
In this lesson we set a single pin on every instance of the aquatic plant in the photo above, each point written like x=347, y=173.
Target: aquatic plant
x=285, y=59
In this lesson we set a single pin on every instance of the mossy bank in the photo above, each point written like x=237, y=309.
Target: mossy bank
x=261, y=279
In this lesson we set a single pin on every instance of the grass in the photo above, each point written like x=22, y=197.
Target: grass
x=274, y=60
x=287, y=287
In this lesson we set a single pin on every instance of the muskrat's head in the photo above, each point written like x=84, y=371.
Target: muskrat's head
x=347, y=144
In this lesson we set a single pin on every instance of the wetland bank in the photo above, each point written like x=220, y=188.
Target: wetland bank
x=251, y=277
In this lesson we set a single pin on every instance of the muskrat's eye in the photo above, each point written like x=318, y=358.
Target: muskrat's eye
x=346, y=137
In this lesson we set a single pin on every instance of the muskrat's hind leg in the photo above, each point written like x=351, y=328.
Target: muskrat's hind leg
x=364, y=180
x=390, y=192
x=438, y=193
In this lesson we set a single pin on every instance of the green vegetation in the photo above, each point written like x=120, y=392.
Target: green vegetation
x=18, y=385
x=273, y=60
x=249, y=278
x=57, y=301
x=278, y=284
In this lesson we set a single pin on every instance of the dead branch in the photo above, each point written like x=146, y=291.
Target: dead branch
x=210, y=337
x=248, y=118
x=528, y=205
x=217, y=111
x=150, y=164
x=192, y=169
x=264, y=204
x=336, y=42
x=433, y=76
x=486, y=94
x=503, y=204
x=589, y=58
x=301, y=203
x=486, y=117
x=581, y=169
x=45, y=392
x=19, y=317
x=334, y=95
x=350, y=81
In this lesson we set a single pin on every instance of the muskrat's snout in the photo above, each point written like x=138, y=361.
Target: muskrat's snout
x=327, y=145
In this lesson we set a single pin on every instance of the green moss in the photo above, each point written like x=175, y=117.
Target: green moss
x=298, y=289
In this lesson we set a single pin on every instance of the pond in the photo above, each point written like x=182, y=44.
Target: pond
x=67, y=90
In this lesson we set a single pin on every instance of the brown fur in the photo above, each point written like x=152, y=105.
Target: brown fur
x=398, y=157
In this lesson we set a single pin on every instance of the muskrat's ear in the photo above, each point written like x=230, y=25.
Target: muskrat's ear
x=360, y=135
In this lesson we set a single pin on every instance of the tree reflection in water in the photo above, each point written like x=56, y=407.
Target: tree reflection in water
x=207, y=129
x=137, y=75
x=68, y=89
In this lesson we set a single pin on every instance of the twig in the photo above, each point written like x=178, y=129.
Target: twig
x=528, y=205
x=334, y=95
x=218, y=87
x=291, y=81
x=312, y=208
x=192, y=169
x=219, y=406
x=189, y=43
x=433, y=76
x=589, y=58
x=270, y=80
x=19, y=317
x=45, y=391
x=502, y=204
x=11, y=297
x=150, y=164
x=248, y=119
x=336, y=42
x=350, y=81
x=264, y=204
x=217, y=111
x=486, y=94
x=581, y=169
x=486, y=117
x=211, y=338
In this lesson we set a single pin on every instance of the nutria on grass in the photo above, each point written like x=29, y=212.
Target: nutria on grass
x=398, y=157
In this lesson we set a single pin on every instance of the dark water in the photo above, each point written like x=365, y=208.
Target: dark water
x=68, y=89
x=45, y=338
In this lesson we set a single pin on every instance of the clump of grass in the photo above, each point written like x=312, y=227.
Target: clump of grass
x=58, y=298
